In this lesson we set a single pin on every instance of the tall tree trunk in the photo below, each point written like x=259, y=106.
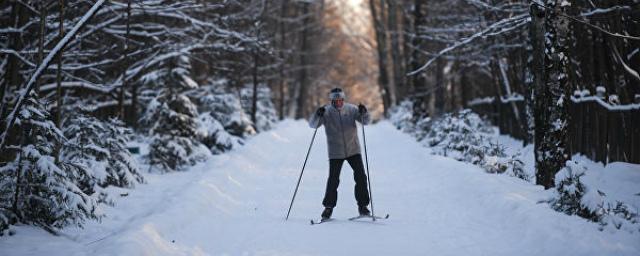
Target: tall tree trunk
x=256, y=58
x=437, y=95
x=388, y=94
x=407, y=27
x=134, y=86
x=16, y=196
x=419, y=81
x=41, y=35
x=125, y=53
x=303, y=83
x=254, y=99
x=553, y=149
x=534, y=73
x=283, y=58
x=396, y=61
x=12, y=75
x=59, y=70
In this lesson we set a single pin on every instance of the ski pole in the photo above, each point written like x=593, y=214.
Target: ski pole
x=366, y=159
x=301, y=172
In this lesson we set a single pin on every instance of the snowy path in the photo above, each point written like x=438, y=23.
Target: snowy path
x=235, y=204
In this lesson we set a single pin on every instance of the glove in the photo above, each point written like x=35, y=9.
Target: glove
x=362, y=109
x=320, y=111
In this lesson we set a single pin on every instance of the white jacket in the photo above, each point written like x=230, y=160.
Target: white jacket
x=341, y=129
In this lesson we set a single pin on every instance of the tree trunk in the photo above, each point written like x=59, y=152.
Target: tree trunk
x=283, y=65
x=534, y=73
x=396, y=60
x=134, y=87
x=388, y=94
x=59, y=70
x=19, y=178
x=553, y=152
x=12, y=76
x=254, y=99
x=419, y=81
x=438, y=90
x=125, y=53
x=43, y=22
x=303, y=83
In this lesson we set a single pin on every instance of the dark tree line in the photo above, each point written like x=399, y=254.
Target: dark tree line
x=536, y=58
x=79, y=79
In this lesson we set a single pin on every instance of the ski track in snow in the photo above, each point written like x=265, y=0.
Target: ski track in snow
x=235, y=204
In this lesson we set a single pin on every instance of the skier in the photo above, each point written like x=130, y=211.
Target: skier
x=339, y=120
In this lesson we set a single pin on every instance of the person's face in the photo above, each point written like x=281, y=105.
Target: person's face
x=338, y=103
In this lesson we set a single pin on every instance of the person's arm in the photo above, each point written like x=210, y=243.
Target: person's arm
x=317, y=119
x=362, y=114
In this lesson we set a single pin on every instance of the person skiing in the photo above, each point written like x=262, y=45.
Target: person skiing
x=339, y=119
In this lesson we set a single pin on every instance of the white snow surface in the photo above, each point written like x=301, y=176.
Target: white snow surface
x=235, y=204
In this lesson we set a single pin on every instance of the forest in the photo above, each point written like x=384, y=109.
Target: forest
x=97, y=96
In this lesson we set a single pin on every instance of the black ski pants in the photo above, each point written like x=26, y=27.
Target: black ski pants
x=361, y=191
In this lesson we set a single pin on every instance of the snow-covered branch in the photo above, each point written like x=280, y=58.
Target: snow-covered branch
x=11, y=118
x=495, y=29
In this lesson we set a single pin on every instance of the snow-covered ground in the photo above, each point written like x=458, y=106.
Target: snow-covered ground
x=235, y=204
x=617, y=181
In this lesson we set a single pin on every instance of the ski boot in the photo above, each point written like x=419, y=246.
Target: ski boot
x=326, y=214
x=364, y=211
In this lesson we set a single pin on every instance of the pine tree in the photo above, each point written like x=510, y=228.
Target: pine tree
x=227, y=108
x=266, y=116
x=171, y=120
x=85, y=151
x=36, y=187
x=100, y=148
x=221, y=116
x=122, y=169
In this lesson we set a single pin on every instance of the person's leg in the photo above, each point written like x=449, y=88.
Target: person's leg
x=361, y=192
x=331, y=194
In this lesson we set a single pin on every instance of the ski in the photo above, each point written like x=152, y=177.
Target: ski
x=374, y=218
x=314, y=222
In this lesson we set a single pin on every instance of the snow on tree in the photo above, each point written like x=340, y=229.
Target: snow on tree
x=573, y=197
x=553, y=101
x=402, y=116
x=464, y=136
x=123, y=168
x=212, y=133
x=171, y=119
x=222, y=123
x=100, y=148
x=225, y=107
x=266, y=115
x=36, y=187
x=132, y=57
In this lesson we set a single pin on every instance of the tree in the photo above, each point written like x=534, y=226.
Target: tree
x=171, y=119
x=552, y=151
x=99, y=147
x=378, y=16
x=36, y=188
x=303, y=82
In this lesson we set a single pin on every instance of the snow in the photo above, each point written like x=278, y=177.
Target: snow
x=618, y=180
x=610, y=107
x=43, y=65
x=235, y=204
x=480, y=101
x=606, y=186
